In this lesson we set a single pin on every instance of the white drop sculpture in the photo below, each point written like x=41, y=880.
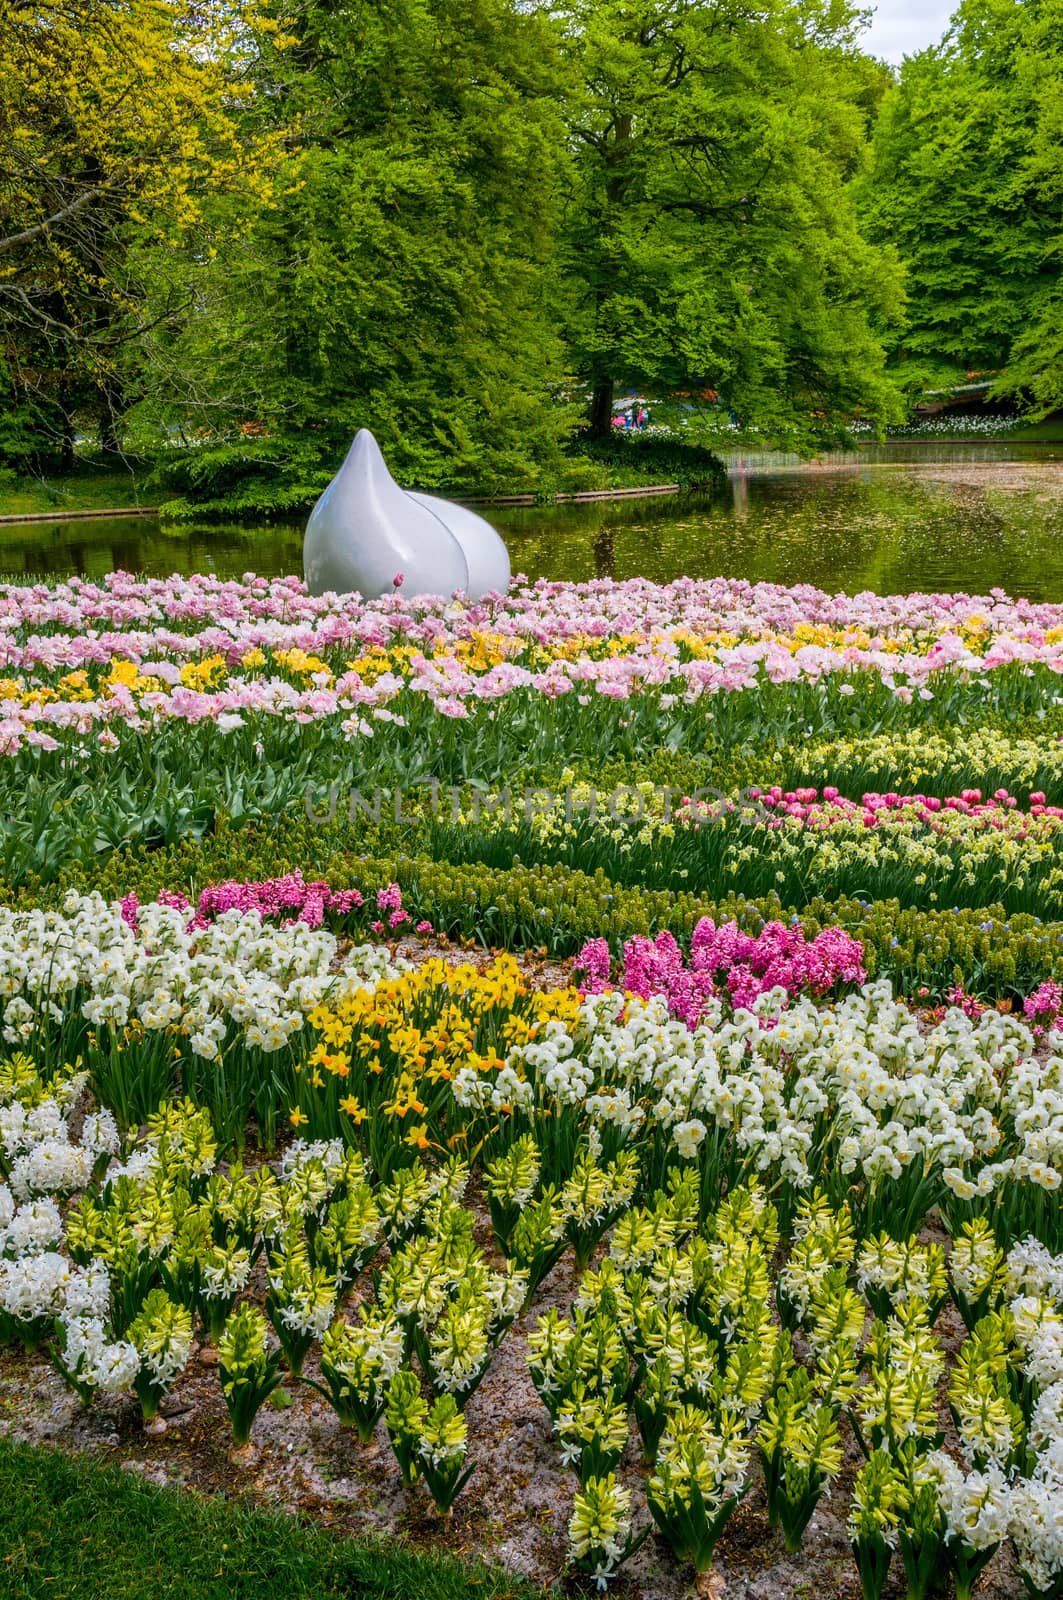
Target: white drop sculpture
x=367, y=534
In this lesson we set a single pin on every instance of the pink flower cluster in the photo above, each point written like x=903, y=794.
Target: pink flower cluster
x=1044, y=1005
x=289, y=898
x=969, y=1004
x=745, y=964
x=254, y=610
x=905, y=642
x=390, y=900
x=810, y=809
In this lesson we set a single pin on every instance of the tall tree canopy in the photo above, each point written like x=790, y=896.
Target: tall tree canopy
x=712, y=237
x=118, y=119
x=407, y=280
x=254, y=225
x=968, y=184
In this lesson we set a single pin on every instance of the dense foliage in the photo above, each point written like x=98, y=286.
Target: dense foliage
x=241, y=233
x=120, y=125
x=966, y=184
x=229, y=236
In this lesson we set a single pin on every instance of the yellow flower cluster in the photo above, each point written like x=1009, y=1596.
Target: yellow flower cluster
x=386, y=1056
x=302, y=663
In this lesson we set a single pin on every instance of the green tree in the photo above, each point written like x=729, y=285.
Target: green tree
x=406, y=281
x=711, y=236
x=118, y=120
x=966, y=183
x=1034, y=370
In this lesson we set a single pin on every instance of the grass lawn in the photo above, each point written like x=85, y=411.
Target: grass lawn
x=84, y=489
x=69, y=1528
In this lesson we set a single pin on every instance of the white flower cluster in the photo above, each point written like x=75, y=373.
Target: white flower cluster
x=966, y=1098
x=1035, y=1501
x=38, y=1284
x=38, y=1151
x=237, y=977
x=29, y=1229
x=1037, y=1521
x=976, y=1505
x=34, y=1286
x=98, y=1361
x=1033, y=1270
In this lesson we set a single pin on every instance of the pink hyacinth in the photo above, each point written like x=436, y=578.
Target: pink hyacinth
x=289, y=899
x=177, y=901
x=969, y=1004
x=725, y=958
x=593, y=963
x=1045, y=1004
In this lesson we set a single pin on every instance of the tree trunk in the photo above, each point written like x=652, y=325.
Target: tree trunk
x=601, y=412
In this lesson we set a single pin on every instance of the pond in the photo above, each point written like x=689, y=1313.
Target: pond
x=969, y=517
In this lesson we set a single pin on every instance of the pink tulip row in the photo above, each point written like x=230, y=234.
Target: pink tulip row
x=179, y=618
x=542, y=611
x=810, y=809
x=679, y=642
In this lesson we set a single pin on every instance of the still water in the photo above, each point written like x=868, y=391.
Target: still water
x=969, y=517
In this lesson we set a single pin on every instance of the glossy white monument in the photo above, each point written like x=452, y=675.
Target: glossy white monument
x=367, y=534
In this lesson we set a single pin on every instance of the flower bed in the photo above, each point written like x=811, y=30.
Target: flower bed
x=719, y=1214
x=645, y=1153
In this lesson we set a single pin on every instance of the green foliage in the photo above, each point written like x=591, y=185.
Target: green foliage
x=965, y=183
x=269, y=477
x=121, y=126
x=713, y=242
x=461, y=222
x=29, y=421
x=404, y=280
x=453, y=221
x=649, y=457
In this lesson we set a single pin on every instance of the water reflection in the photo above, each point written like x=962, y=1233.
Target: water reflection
x=967, y=517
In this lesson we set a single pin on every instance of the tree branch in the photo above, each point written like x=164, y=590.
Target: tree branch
x=83, y=200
